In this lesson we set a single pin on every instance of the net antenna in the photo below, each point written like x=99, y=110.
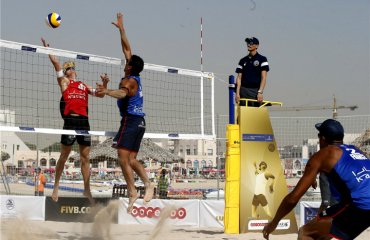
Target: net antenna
x=179, y=103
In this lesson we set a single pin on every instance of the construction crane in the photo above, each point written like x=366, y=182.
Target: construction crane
x=334, y=108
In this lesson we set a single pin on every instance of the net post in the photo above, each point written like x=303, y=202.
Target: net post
x=231, y=99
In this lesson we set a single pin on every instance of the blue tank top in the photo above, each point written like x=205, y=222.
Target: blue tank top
x=350, y=177
x=132, y=105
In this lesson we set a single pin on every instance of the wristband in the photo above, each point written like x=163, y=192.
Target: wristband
x=93, y=92
x=60, y=74
x=259, y=91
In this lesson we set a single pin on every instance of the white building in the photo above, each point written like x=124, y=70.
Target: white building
x=11, y=144
x=197, y=154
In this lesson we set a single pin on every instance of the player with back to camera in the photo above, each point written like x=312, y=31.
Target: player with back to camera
x=75, y=114
x=130, y=103
x=348, y=171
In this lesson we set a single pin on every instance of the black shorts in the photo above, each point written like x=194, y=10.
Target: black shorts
x=130, y=133
x=348, y=221
x=249, y=93
x=76, y=123
x=259, y=199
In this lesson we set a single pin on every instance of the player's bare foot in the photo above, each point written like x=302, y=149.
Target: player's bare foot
x=149, y=192
x=132, y=199
x=87, y=194
x=54, y=195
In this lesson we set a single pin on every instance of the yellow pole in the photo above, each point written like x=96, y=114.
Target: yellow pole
x=232, y=187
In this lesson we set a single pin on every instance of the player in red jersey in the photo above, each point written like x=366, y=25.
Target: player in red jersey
x=74, y=104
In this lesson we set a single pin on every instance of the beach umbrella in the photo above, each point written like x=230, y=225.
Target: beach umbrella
x=148, y=150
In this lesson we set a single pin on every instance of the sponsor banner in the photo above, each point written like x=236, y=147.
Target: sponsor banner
x=28, y=207
x=185, y=212
x=258, y=137
x=262, y=181
x=211, y=213
x=254, y=225
x=308, y=211
x=73, y=209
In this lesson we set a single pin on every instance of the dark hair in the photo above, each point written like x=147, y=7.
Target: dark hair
x=263, y=163
x=137, y=64
x=332, y=138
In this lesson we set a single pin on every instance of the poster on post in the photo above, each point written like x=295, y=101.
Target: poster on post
x=262, y=180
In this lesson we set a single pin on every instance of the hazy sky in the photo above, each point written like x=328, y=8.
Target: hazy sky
x=315, y=48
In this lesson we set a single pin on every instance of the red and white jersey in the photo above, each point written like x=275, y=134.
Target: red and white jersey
x=76, y=98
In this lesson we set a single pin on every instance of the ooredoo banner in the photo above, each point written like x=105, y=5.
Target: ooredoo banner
x=183, y=212
x=28, y=207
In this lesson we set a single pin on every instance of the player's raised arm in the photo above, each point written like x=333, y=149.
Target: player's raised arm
x=52, y=58
x=126, y=48
x=126, y=88
x=62, y=80
x=95, y=91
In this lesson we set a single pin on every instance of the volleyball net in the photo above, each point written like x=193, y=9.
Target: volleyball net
x=178, y=102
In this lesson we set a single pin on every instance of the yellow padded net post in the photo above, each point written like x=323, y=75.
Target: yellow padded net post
x=232, y=187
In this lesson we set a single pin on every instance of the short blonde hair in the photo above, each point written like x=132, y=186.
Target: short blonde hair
x=67, y=65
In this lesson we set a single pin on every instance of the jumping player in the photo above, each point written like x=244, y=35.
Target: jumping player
x=348, y=171
x=75, y=114
x=131, y=131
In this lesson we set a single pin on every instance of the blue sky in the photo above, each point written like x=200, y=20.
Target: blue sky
x=315, y=48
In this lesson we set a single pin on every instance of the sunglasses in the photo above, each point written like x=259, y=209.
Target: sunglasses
x=70, y=68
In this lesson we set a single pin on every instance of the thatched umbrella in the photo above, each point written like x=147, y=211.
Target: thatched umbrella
x=148, y=150
x=363, y=142
x=4, y=156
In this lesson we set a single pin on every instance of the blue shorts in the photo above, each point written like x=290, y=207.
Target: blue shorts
x=130, y=133
x=76, y=123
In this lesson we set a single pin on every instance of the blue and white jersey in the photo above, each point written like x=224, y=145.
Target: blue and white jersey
x=350, y=177
x=132, y=105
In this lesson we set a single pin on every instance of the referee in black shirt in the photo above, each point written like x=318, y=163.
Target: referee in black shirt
x=252, y=72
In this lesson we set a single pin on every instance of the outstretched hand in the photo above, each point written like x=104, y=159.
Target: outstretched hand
x=100, y=88
x=105, y=79
x=44, y=42
x=119, y=22
x=269, y=228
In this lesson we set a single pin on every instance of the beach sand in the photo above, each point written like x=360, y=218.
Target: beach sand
x=32, y=230
x=21, y=229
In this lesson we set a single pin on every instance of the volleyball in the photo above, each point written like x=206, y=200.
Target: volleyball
x=53, y=20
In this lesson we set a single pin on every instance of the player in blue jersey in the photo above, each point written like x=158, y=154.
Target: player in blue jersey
x=348, y=171
x=131, y=131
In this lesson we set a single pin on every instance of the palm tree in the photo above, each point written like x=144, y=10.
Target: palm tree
x=4, y=156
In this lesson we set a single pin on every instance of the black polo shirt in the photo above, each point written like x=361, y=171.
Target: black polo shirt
x=251, y=67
